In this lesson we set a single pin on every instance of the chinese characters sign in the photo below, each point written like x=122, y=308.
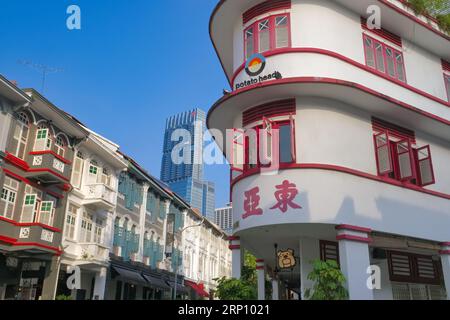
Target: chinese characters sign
x=284, y=198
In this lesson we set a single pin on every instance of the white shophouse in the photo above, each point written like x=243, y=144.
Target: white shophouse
x=206, y=254
x=90, y=212
x=358, y=121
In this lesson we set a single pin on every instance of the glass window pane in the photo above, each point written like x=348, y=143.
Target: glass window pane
x=390, y=62
x=249, y=42
x=447, y=79
x=379, y=57
x=264, y=36
x=285, y=144
x=368, y=47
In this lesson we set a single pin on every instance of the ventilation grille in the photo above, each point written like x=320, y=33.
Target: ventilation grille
x=413, y=268
x=329, y=250
x=393, y=129
x=265, y=7
x=271, y=109
x=446, y=65
x=382, y=33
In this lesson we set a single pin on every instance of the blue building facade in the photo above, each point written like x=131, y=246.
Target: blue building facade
x=186, y=179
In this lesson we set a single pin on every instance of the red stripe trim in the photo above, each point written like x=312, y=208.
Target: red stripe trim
x=52, y=153
x=353, y=228
x=25, y=180
x=444, y=244
x=24, y=166
x=259, y=268
x=444, y=251
x=352, y=172
x=353, y=238
x=231, y=238
x=382, y=125
x=7, y=239
x=14, y=242
x=234, y=246
x=259, y=260
x=49, y=171
x=33, y=224
x=345, y=59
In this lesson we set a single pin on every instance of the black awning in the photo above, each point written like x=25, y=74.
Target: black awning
x=131, y=275
x=156, y=282
x=180, y=288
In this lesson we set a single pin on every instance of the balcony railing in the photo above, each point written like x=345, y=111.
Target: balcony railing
x=100, y=196
x=93, y=252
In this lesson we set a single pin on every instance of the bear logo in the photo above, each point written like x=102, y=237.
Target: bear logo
x=286, y=259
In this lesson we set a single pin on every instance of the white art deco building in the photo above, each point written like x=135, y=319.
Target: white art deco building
x=363, y=142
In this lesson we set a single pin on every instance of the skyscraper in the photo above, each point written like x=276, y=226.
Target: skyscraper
x=186, y=178
x=224, y=218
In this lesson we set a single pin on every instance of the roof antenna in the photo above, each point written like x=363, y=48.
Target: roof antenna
x=44, y=69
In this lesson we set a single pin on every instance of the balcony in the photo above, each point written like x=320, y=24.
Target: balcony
x=99, y=196
x=48, y=167
x=33, y=238
x=87, y=254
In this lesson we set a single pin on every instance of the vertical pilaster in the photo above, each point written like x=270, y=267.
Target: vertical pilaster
x=354, y=260
x=275, y=289
x=51, y=279
x=236, y=256
x=261, y=275
x=142, y=216
x=445, y=259
x=100, y=283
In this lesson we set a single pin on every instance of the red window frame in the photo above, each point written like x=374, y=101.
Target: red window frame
x=384, y=48
x=394, y=171
x=272, y=34
x=276, y=124
x=447, y=85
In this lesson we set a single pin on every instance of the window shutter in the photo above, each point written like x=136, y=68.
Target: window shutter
x=426, y=269
x=379, y=57
x=281, y=32
x=425, y=166
x=264, y=35
x=368, y=47
x=390, y=62
x=28, y=208
x=77, y=172
x=405, y=159
x=23, y=142
x=237, y=150
x=329, y=250
x=41, y=140
x=400, y=66
x=46, y=213
x=400, y=267
x=293, y=146
x=383, y=153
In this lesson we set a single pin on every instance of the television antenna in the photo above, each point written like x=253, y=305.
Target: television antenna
x=43, y=69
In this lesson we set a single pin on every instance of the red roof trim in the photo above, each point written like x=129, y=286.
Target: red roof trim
x=265, y=7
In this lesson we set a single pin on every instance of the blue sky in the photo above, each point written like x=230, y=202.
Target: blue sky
x=131, y=65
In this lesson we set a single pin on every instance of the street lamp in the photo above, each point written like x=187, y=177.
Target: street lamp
x=176, y=262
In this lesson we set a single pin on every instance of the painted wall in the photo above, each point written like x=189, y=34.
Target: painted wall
x=325, y=25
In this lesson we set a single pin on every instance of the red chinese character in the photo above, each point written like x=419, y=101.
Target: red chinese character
x=251, y=203
x=285, y=196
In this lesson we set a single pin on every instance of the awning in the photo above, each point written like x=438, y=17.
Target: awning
x=156, y=282
x=180, y=288
x=198, y=288
x=131, y=275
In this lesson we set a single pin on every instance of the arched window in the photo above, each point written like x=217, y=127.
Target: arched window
x=60, y=145
x=20, y=138
x=43, y=141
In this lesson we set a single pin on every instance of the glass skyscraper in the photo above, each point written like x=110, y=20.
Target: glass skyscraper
x=186, y=179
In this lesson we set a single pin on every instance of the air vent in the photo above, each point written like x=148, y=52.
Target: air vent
x=265, y=7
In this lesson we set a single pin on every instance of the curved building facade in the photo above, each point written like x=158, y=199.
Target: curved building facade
x=338, y=135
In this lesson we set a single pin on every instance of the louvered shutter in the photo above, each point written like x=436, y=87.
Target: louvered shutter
x=77, y=172
x=329, y=250
x=400, y=267
x=426, y=270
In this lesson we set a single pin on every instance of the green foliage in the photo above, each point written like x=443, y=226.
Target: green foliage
x=244, y=288
x=328, y=282
x=63, y=297
x=234, y=289
x=434, y=8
